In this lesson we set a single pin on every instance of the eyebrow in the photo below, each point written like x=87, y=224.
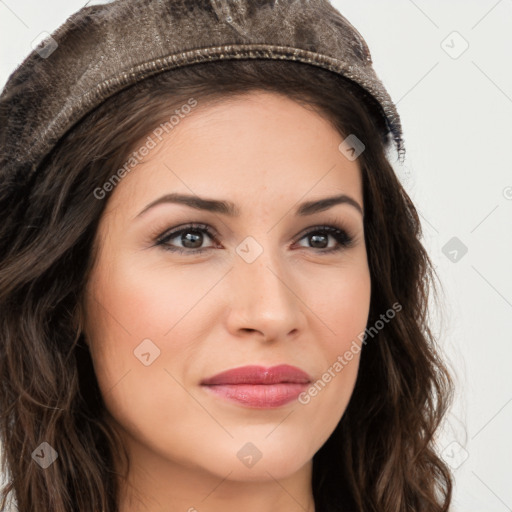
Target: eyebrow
x=230, y=209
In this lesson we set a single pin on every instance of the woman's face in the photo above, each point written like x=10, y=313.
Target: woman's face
x=262, y=292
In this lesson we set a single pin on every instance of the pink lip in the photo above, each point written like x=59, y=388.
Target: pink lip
x=259, y=387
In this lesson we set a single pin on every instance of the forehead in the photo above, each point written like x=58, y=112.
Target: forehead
x=253, y=148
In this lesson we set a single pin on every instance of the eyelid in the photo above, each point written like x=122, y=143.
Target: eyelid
x=335, y=228
x=159, y=231
x=175, y=230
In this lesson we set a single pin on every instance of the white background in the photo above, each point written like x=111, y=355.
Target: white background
x=457, y=120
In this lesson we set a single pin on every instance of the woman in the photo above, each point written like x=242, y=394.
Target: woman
x=212, y=285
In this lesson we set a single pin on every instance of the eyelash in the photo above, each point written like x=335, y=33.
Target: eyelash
x=345, y=241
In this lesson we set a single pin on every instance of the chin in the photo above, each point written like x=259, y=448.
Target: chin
x=258, y=460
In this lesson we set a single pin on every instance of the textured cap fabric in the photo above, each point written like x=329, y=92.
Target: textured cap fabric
x=102, y=49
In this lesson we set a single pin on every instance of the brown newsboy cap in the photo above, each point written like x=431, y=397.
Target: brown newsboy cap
x=102, y=49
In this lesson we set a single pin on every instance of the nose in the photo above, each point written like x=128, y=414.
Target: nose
x=265, y=299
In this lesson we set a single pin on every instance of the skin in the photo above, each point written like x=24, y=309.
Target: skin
x=214, y=311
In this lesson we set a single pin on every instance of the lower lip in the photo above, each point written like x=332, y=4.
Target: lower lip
x=261, y=396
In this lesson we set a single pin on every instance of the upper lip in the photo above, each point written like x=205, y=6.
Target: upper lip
x=259, y=375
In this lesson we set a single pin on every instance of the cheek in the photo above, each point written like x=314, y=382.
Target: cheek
x=140, y=312
x=346, y=306
x=129, y=312
x=343, y=309
x=340, y=297
x=137, y=299
x=141, y=298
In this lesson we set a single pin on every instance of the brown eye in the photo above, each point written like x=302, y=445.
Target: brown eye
x=191, y=237
x=319, y=238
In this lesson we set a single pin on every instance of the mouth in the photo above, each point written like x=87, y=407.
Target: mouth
x=257, y=386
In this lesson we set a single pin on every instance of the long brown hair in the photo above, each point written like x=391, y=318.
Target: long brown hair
x=381, y=456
